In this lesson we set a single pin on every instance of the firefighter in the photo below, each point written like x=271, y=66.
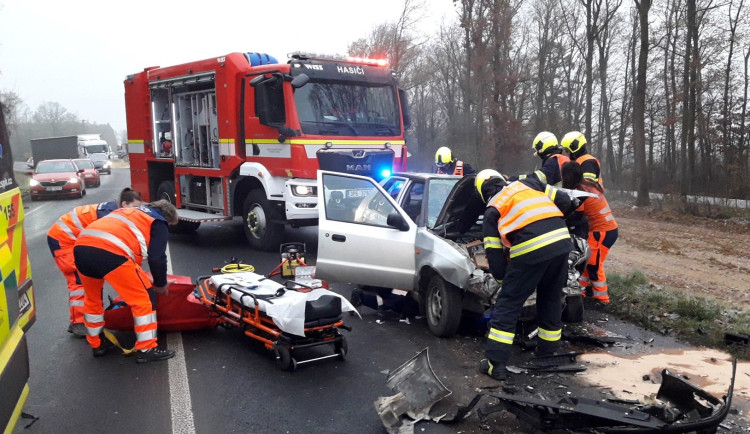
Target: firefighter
x=547, y=148
x=445, y=163
x=527, y=246
x=61, y=238
x=574, y=145
x=111, y=249
x=601, y=236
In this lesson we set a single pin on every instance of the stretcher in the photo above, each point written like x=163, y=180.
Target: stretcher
x=284, y=317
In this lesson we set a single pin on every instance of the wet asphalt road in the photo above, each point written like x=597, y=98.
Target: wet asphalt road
x=229, y=383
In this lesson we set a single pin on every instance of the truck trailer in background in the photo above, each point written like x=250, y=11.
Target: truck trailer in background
x=243, y=135
x=52, y=148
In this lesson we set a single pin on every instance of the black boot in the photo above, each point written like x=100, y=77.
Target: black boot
x=496, y=370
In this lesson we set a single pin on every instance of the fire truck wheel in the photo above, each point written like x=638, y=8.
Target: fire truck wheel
x=443, y=307
x=166, y=192
x=260, y=230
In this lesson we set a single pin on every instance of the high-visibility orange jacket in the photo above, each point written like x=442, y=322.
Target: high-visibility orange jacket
x=67, y=228
x=597, y=210
x=135, y=233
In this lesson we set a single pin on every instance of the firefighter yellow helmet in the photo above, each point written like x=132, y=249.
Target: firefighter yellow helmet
x=573, y=141
x=483, y=176
x=543, y=142
x=443, y=156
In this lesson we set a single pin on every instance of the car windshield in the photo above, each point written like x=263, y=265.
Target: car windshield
x=84, y=164
x=347, y=109
x=437, y=194
x=55, y=167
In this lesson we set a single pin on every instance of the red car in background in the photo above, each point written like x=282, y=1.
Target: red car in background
x=90, y=174
x=57, y=178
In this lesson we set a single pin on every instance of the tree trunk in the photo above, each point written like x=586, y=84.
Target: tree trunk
x=639, y=106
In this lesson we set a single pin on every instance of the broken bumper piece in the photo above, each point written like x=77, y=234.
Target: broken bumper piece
x=687, y=409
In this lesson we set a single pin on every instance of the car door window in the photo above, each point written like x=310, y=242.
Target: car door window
x=413, y=201
x=355, y=200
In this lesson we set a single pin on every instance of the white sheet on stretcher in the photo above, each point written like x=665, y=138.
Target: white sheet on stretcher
x=287, y=311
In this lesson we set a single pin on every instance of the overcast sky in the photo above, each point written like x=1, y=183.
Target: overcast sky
x=78, y=52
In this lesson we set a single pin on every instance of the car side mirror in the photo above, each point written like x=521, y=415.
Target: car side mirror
x=397, y=221
x=81, y=170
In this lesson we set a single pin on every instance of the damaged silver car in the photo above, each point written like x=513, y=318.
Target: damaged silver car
x=413, y=231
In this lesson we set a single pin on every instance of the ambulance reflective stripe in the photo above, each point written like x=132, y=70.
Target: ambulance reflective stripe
x=550, y=335
x=538, y=242
x=501, y=336
x=112, y=239
x=134, y=229
x=492, y=243
x=145, y=319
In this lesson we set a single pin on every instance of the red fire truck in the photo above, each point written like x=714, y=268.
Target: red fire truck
x=243, y=135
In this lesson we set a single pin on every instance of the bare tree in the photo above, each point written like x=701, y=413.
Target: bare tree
x=639, y=105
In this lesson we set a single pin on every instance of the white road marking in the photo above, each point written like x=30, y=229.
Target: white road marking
x=179, y=388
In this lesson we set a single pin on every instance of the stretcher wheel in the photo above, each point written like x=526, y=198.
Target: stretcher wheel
x=284, y=358
x=341, y=347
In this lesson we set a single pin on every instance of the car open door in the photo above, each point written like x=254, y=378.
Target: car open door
x=364, y=237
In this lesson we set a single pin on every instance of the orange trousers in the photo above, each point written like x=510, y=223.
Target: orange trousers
x=593, y=275
x=66, y=264
x=132, y=283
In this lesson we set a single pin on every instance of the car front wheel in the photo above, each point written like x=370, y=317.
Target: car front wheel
x=443, y=307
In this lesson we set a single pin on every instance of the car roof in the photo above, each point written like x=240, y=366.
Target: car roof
x=424, y=175
x=57, y=160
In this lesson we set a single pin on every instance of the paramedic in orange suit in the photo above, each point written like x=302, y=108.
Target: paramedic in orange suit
x=111, y=249
x=602, y=234
x=61, y=239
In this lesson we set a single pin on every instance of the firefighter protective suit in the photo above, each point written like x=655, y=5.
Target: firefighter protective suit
x=527, y=245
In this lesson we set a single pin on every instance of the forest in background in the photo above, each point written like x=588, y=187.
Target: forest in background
x=660, y=90
x=48, y=120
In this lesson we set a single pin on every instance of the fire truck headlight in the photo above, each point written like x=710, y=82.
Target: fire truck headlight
x=304, y=190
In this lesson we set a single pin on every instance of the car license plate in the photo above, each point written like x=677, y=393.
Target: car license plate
x=54, y=188
x=357, y=193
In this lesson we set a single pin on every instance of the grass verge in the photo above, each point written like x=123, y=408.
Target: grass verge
x=696, y=320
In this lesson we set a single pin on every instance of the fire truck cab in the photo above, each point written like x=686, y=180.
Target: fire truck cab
x=243, y=135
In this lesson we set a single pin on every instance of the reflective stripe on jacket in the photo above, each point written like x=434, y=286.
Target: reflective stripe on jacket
x=519, y=206
x=458, y=169
x=592, y=168
x=125, y=232
x=597, y=210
